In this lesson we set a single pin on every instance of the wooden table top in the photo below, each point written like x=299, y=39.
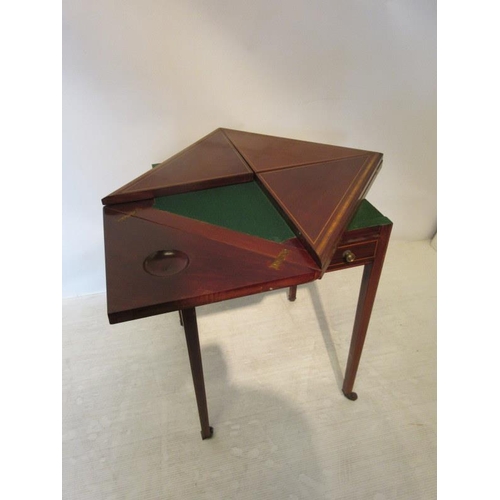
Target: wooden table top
x=236, y=213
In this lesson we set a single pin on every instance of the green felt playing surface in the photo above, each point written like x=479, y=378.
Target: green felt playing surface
x=245, y=208
x=241, y=207
x=367, y=216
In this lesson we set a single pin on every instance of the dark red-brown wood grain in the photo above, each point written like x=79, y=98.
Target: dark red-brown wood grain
x=266, y=152
x=217, y=270
x=316, y=187
x=210, y=162
x=320, y=199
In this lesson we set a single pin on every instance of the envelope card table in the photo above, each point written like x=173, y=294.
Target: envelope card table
x=236, y=214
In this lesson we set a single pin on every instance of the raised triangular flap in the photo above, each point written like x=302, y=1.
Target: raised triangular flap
x=210, y=162
x=320, y=199
x=265, y=152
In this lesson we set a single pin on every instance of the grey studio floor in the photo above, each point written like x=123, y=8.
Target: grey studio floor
x=273, y=372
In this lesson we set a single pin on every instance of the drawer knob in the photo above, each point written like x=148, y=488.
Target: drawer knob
x=348, y=256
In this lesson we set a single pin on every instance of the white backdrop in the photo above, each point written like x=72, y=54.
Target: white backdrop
x=142, y=79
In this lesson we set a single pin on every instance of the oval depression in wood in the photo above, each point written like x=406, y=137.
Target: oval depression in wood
x=166, y=262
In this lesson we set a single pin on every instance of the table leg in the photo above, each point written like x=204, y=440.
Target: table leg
x=193, y=344
x=369, y=284
x=180, y=318
x=292, y=293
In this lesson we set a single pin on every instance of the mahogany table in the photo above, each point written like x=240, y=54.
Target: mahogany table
x=236, y=214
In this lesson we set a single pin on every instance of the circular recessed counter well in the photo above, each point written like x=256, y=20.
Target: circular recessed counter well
x=165, y=262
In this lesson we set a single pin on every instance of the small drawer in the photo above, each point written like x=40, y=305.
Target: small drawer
x=362, y=251
x=360, y=235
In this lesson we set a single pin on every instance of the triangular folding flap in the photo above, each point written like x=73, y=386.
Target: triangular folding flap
x=265, y=152
x=152, y=268
x=210, y=162
x=320, y=199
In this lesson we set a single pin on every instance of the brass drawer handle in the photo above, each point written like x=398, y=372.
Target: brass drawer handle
x=349, y=256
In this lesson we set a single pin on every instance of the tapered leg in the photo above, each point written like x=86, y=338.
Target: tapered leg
x=369, y=284
x=292, y=293
x=180, y=318
x=193, y=344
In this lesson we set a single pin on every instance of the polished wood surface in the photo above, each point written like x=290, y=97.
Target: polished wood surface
x=210, y=162
x=145, y=210
x=370, y=246
x=158, y=261
x=188, y=320
x=316, y=187
x=368, y=291
x=320, y=199
x=215, y=270
x=265, y=152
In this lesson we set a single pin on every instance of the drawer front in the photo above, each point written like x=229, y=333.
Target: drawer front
x=353, y=254
x=360, y=235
